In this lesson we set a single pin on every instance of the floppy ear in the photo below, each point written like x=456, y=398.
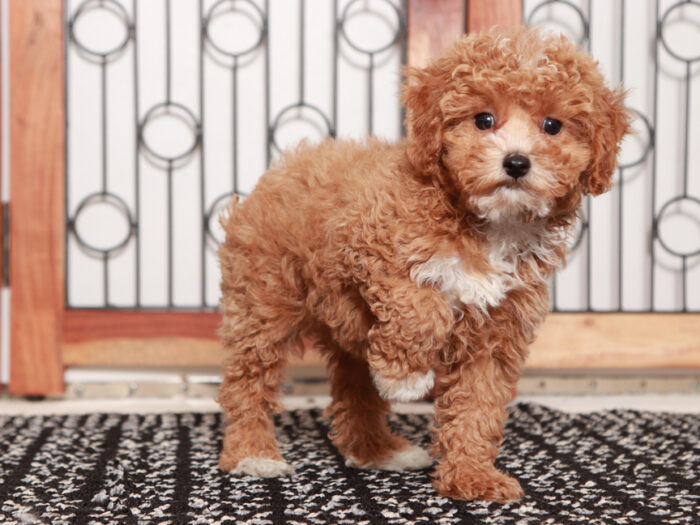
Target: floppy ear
x=610, y=122
x=422, y=92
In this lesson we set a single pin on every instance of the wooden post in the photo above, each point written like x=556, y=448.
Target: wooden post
x=433, y=25
x=37, y=219
x=484, y=14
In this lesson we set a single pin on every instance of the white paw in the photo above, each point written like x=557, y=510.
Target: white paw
x=263, y=468
x=412, y=457
x=413, y=387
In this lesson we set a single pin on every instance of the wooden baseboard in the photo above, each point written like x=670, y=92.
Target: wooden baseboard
x=81, y=326
x=617, y=341
x=565, y=342
x=156, y=352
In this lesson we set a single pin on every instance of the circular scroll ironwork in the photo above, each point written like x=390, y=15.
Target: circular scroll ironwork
x=212, y=13
x=179, y=111
x=214, y=212
x=105, y=199
x=650, y=141
x=586, y=28
x=660, y=31
x=578, y=236
x=659, y=218
x=110, y=6
x=400, y=28
x=298, y=106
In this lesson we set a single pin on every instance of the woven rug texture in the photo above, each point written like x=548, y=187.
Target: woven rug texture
x=610, y=467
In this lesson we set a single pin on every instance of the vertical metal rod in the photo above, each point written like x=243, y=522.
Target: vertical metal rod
x=588, y=255
x=170, y=162
x=137, y=167
x=234, y=123
x=684, y=283
x=268, y=145
x=105, y=278
x=686, y=149
x=686, y=161
x=168, y=70
x=301, y=51
x=170, y=233
x=202, y=178
x=336, y=57
x=589, y=219
x=652, y=248
x=370, y=94
x=404, y=51
x=105, y=259
x=621, y=172
x=103, y=81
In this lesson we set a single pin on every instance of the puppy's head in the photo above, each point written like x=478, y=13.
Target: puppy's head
x=514, y=123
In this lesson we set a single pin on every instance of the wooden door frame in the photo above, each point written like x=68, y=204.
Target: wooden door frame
x=46, y=337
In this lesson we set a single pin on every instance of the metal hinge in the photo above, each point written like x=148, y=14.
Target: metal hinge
x=6, y=244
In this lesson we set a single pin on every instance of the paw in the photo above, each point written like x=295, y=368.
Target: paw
x=262, y=468
x=412, y=457
x=494, y=486
x=414, y=387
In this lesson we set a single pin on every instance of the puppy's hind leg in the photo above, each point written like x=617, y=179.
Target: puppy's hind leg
x=359, y=428
x=248, y=396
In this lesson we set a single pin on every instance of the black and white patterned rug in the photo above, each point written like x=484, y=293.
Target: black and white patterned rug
x=611, y=467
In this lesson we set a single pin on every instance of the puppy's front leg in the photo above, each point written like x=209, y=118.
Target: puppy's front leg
x=412, y=326
x=470, y=413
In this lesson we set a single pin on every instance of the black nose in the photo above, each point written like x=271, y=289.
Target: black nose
x=516, y=165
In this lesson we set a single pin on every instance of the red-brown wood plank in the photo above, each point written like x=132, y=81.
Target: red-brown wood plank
x=484, y=14
x=37, y=134
x=138, y=338
x=432, y=27
x=90, y=325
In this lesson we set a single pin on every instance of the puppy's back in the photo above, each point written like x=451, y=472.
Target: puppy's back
x=309, y=193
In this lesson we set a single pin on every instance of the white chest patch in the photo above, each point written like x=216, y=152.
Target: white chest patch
x=480, y=290
x=485, y=290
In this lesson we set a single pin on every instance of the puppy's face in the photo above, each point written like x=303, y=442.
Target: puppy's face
x=508, y=160
x=515, y=125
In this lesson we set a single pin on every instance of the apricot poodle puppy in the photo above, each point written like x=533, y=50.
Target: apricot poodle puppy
x=430, y=254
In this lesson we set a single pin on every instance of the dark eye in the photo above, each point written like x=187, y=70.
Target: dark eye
x=484, y=121
x=551, y=126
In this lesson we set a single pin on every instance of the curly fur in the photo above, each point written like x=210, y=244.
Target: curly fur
x=400, y=260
